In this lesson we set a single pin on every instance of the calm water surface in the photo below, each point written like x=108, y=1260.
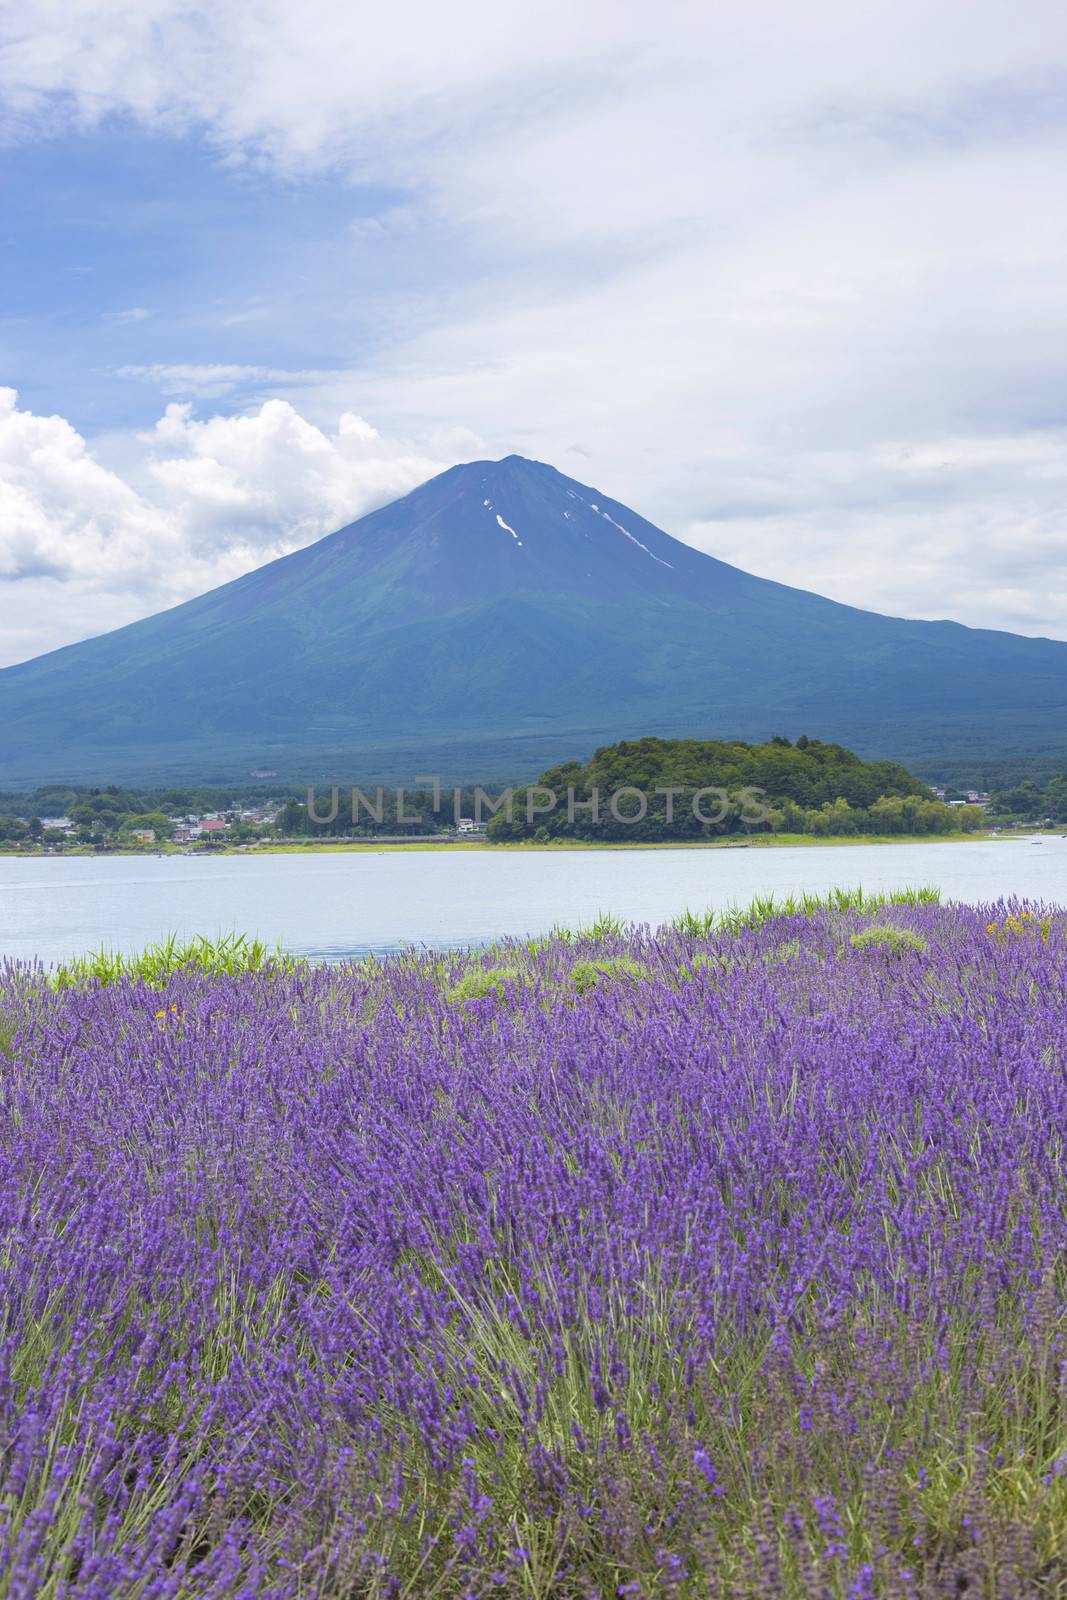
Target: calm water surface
x=331, y=906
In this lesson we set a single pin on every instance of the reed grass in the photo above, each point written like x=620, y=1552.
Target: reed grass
x=762, y=909
x=227, y=955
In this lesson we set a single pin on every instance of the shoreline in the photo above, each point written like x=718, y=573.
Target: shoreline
x=782, y=841
x=776, y=841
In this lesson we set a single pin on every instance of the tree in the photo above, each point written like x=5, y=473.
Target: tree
x=1024, y=800
x=160, y=825
x=1056, y=798
x=293, y=818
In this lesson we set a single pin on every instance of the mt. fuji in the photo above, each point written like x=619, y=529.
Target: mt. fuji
x=497, y=618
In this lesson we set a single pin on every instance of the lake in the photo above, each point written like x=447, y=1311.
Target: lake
x=331, y=906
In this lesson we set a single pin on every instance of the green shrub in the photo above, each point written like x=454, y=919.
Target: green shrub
x=893, y=941
x=480, y=982
x=585, y=975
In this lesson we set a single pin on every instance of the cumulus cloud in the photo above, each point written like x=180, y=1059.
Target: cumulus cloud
x=61, y=512
x=84, y=548
x=272, y=477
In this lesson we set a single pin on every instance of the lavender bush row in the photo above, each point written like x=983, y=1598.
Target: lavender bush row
x=652, y=1265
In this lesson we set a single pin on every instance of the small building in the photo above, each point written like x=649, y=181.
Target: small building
x=468, y=825
x=58, y=824
x=143, y=835
x=213, y=825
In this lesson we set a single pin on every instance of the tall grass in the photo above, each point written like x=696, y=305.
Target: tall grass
x=227, y=955
x=233, y=954
x=769, y=908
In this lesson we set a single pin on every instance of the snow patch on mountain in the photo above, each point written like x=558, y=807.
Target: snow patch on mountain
x=633, y=539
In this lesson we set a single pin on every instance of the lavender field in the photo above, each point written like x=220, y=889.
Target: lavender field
x=716, y=1262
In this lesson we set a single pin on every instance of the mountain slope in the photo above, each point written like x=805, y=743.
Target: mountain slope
x=503, y=614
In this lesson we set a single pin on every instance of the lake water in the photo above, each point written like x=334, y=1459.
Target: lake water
x=331, y=906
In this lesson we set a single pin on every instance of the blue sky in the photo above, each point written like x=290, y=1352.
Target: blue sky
x=122, y=247
x=793, y=288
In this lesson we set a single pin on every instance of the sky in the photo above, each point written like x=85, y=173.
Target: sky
x=790, y=281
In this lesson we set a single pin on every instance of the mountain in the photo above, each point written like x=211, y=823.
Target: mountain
x=500, y=617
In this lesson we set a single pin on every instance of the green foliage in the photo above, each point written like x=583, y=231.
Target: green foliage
x=293, y=819
x=229, y=955
x=889, y=814
x=809, y=787
x=696, y=924
x=586, y=975
x=889, y=940
x=367, y=814
x=107, y=816
x=480, y=982
x=155, y=821
x=604, y=926
x=106, y=808
x=769, y=908
x=704, y=961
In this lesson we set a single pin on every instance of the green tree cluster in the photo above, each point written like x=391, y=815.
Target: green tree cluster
x=360, y=820
x=157, y=821
x=889, y=814
x=807, y=787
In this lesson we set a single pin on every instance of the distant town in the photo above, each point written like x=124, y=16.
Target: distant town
x=807, y=789
x=187, y=829
x=969, y=797
x=109, y=819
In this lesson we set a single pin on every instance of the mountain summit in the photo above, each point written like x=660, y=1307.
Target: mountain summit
x=494, y=619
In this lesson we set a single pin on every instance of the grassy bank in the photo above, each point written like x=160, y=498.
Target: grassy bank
x=722, y=1261
x=762, y=841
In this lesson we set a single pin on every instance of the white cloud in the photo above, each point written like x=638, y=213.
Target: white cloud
x=971, y=529
x=61, y=512
x=132, y=314
x=212, y=379
x=84, y=549
x=271, y=478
